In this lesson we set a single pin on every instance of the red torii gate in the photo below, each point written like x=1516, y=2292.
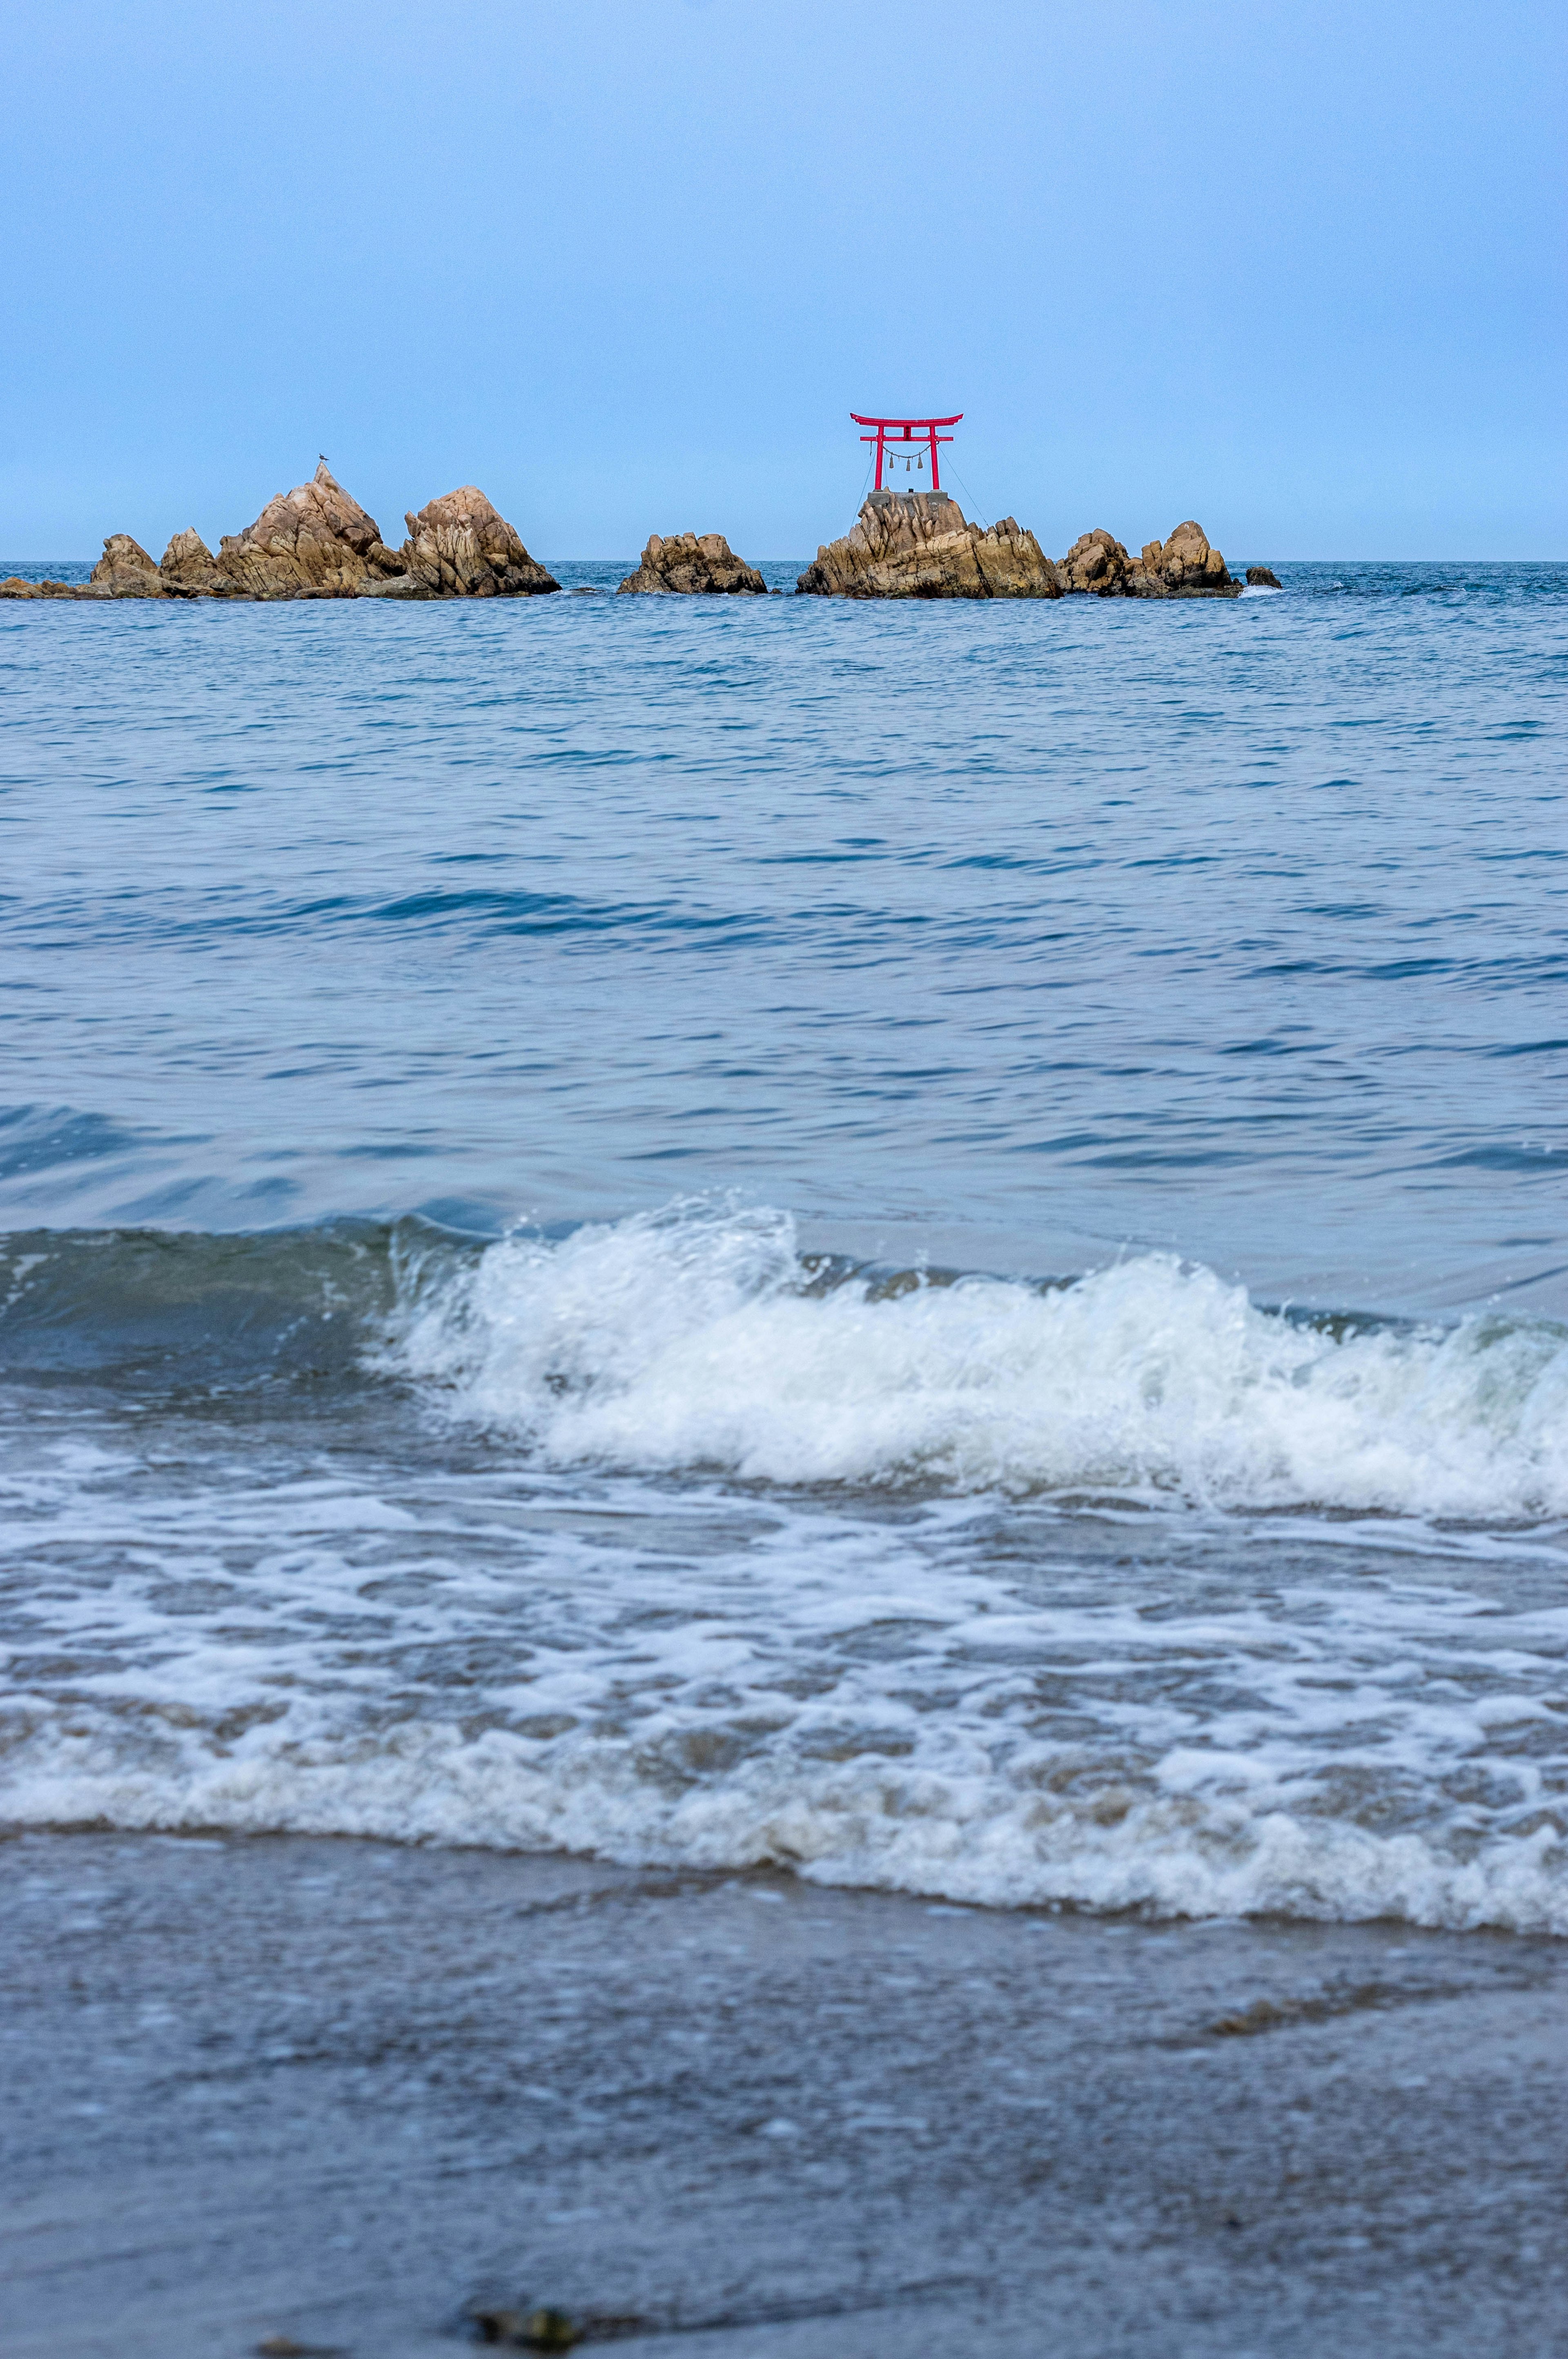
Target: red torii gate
x=911, y=431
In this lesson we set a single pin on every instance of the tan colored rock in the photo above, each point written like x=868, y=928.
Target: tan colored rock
x=690, y=564
x=458, y=546
x=14, y=586
x=917, y=544
x=312, y=542
x=124, y=570
x=188, y=569
x=1096, y=565
x=1183, y=567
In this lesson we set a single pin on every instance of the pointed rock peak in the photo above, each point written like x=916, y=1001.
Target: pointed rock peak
x=124, y=570
x=459, y=547
x=315, y=538
x=189, y=569
x=186, y=544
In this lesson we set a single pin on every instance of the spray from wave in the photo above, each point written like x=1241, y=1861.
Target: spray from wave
x=696, y=1338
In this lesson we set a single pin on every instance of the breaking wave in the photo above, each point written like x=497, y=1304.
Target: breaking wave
x=696, y=1338
x=663, y=1541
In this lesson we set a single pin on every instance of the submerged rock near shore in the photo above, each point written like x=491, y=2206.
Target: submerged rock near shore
x=690, y=564
x=918, y=544
x=458, y=546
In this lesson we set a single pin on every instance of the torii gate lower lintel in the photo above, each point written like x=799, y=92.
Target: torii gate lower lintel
x=906, y=430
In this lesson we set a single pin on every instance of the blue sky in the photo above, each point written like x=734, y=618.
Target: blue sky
x=1297, y=271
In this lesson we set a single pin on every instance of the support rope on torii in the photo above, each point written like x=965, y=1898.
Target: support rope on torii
x=907, y=429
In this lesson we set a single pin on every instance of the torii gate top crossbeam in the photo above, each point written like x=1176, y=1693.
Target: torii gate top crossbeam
x=907, y=429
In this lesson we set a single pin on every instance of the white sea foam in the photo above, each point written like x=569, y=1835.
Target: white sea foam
x=684, y=1340
x=1002, y=1704
x=948, y=1674
x=999, y=1840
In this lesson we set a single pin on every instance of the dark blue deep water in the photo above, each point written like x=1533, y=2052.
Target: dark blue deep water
x=922, y=1241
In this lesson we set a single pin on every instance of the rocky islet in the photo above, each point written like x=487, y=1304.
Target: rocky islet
x=918, y=544
x=692, y=564
x=315, y=541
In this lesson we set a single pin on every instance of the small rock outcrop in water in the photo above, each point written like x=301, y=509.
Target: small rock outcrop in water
x=125, y=571
x=1095, y=566
x=312, y=542
x=1183, y=567
x=918, y=544
x=691, y=563
x=1260, y=577
x=188, y=569
x=458, y=546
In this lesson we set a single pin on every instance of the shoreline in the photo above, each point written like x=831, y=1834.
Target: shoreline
x=344, y=2092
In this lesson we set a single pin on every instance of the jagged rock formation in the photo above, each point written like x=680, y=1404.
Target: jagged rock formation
x=1095, y=566
x=917, y=544
x=458, y=546
x=312, y=542
x=317, y=542
x=188, y=569
x=1183, y=567
x=125, y=571
x=1262, y=577
x=693, y=564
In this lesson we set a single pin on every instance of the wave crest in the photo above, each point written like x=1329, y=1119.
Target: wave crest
x=695, y=1338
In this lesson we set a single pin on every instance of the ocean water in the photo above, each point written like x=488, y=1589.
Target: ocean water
x=924, y=1243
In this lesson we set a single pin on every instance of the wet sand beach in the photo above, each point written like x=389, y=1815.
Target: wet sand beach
x=344, y=2092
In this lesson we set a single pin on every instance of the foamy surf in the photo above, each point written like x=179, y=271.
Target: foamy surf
x=693, y=1339
x=1047, y=1830
x=661, y=1542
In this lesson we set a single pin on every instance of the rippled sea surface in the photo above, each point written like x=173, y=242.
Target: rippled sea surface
x=925, y=1242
